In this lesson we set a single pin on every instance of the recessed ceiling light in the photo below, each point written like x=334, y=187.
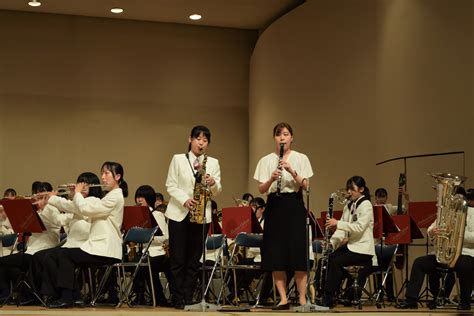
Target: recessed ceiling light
x=195, y=17
x=34, y=3
x=116, y=10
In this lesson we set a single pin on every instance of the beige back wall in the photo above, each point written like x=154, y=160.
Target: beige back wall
x=363, y=81
x=77, y=91
x=366, y=81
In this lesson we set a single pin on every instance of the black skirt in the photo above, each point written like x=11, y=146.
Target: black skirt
x=284, y=236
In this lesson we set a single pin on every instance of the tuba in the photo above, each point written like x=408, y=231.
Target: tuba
x=450, y=218
x=201, y=195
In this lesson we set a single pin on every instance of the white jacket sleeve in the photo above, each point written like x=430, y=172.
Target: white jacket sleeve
x=94, y=208
x=172, y=182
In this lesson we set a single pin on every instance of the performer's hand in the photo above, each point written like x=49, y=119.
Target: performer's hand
x=286, y=165
x=210, y=180
x=189, y=204
x=331, y=222
x=80, y=187
x=435, y=231
x=275, y=174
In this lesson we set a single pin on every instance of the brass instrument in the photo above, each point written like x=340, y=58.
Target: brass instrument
x=132, y=252
x=450, y=218
x=240, y=202
x=201, y=195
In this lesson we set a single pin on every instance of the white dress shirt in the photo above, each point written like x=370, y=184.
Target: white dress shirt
x=180, y=184
x=269, y=163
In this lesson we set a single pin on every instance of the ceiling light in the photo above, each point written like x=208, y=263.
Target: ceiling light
x=116, y=10
x=34, y=3
x=195, y=17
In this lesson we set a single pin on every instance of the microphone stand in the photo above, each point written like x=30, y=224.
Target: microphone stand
x=203, y=306
x=308, y=307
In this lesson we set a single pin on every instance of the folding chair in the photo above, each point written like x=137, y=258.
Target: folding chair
x=216, y=242
x=385, y=254
x=245, y=240
x=9, y=240
x=138, y=235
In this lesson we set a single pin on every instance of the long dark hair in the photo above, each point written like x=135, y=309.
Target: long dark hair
x=197, y=131
x=116, y=168
x=91, y=178
x=359, y=182
x=148, y=193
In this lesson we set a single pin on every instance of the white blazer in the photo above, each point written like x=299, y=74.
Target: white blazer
x=156, y=247
x=77, y=226
x=180, y=186
x=106, y=216
x=50, y=237
x=360, y=233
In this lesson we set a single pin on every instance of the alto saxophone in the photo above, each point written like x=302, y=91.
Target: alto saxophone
x=201, y=195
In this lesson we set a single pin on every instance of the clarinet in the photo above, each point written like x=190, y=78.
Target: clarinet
x=280, y=159
x=325, y=250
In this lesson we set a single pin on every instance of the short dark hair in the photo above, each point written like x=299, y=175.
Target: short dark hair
x=91, y=178
x=470, y=194
x=148, y=193
x=258, y=202
x=381, y=192
x=247, y=197
x=277, y=129
x=160, y=197
x=9, y=191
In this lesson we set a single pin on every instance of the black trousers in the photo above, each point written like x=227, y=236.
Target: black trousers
x=158, y=264
x=65, y=264
x=11, y=267
x=185, y=251
x=340, y=258
x=45, y=280
x=427, y=265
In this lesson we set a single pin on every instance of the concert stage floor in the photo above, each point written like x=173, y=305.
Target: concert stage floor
x=125, y=311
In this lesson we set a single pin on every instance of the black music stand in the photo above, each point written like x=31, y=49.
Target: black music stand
x=424, y=213
x=408, y=231
x=383, y=225
x=25, y=221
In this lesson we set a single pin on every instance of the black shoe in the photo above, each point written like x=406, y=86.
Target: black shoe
x=407, y=305
x=281, y=307
x=79, y=303
x=464, y=307
x=179, y=305
x=162, y=303
x=61, y=303
x=345, y=302
x=432, y=304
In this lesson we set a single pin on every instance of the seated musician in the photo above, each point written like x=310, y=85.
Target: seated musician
x=427, y=265
x=159, y=259
x=353, y=239
x=77, y=228
x=381, y=197
x=12, y=265
x=9, y=194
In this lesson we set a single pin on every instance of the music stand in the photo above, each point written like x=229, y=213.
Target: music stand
x=236, y=220
x=383, y=225
x=424, y=214
x=139, y=216
x=25, y=221
x=408, y=231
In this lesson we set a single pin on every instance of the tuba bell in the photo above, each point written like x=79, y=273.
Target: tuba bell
x=450, y=218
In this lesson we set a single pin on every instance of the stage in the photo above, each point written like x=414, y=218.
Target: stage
x=125, y=311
